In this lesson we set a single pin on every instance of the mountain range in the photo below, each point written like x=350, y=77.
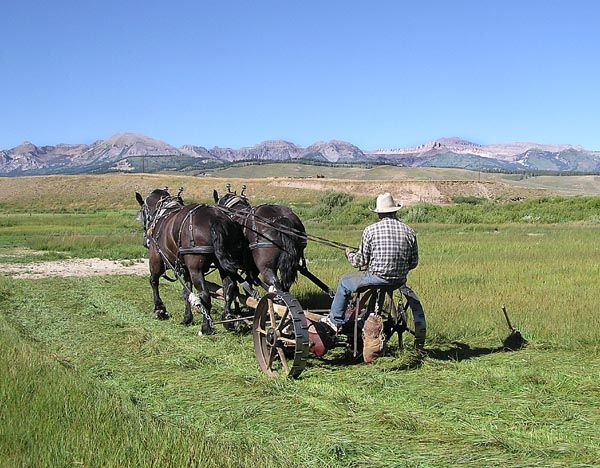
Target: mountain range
x=131, y=152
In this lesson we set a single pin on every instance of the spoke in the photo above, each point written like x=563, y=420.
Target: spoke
x=272, y=313
x=284, y=362
x=271, y=356
x=287, y=340
x=281, y=324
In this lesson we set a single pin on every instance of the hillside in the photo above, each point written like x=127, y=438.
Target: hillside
x=113, y=191
x=565, y=185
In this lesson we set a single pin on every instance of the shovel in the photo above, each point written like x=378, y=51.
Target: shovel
x=515, y=339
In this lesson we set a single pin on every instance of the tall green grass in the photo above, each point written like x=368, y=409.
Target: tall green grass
x=51, y=415
x=544, y=210
x=466, y=403
x=117, y=234
x=89, y=378
x=339, y=209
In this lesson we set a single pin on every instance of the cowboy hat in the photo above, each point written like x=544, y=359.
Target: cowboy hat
x=386, y=204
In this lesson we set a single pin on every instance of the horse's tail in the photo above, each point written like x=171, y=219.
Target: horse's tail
x=289, y=259
x=228, y=248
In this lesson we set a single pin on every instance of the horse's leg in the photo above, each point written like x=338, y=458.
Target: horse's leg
x=271, y=279
x=266, y=262
x=157, y=269
x=197, y=276
x=188, y=318
x=229, y=296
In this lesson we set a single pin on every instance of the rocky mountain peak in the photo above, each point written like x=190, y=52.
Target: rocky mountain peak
x=275, y=150
x=26, y=147
x=196, y=151
x=121, y=140
x=455, y=141
x=334, y=151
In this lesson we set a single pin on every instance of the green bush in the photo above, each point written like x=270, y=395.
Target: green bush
x=420, y=213
x=333, y=199
x=328, y=205
x=355, y=213
x=469, y=200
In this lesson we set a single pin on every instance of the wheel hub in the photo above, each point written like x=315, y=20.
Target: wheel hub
x=271, y=337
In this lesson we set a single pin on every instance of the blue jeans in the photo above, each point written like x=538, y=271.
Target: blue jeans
x=348, y=284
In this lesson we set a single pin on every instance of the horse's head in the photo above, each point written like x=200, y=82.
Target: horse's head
x=150, y=205
x=231, y=199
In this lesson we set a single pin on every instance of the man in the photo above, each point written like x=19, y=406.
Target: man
x=388, y=250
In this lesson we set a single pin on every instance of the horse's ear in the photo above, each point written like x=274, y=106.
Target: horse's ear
x=139, y=198
x=216, y=196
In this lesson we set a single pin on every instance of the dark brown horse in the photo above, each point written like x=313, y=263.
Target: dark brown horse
x=189, y=239
x=270, y=230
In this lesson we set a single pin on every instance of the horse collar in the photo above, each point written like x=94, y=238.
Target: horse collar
x=234, y=200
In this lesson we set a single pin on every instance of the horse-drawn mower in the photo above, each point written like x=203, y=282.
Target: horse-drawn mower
x=285, y=333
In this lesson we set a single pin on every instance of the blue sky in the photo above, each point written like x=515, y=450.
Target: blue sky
x=233, y=73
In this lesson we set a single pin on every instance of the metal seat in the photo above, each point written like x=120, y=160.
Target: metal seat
x=375, y=297
x=372, y=299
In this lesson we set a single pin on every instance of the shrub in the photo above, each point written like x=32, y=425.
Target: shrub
x=469, y=200
x=333, y=199
x=416, y=214
x=330, y=203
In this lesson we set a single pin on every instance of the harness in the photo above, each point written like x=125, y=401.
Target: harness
x=234, y=200
x=267, y=242
x=261, y=240
x=166, y=207
x=193, y=249
x=250, y=213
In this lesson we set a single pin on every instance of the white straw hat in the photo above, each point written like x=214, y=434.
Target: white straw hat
x=386, y=204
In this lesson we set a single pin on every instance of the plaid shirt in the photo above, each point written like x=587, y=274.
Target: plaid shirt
x=388, y=248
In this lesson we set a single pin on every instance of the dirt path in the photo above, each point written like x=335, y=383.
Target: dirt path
x=76, y=267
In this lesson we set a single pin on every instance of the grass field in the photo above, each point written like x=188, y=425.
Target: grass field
x=411, y=185
x=89, y=378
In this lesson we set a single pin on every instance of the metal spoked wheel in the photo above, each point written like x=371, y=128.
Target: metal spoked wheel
x=403, y=315
x=410, y=318
x=280, y=333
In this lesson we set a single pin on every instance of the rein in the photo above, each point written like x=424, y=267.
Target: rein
x=285, y=229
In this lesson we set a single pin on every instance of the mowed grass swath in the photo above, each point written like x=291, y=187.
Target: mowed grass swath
x=97, y=381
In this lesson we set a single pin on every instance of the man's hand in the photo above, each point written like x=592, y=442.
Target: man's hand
x=349, y=251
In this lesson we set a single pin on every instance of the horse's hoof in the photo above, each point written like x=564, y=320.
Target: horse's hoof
x=242, y=328
x=229, y=326
x=206, y=331
x=161, y=314
x=239, y=326
x=186, y=322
